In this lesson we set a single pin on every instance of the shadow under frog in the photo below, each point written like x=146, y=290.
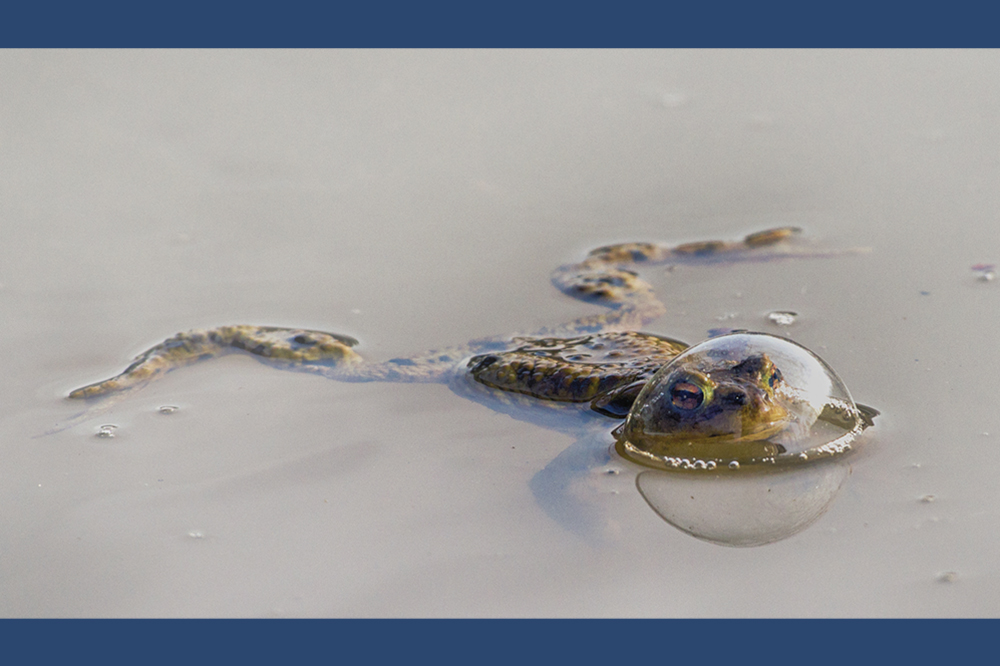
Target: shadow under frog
x=726, y=414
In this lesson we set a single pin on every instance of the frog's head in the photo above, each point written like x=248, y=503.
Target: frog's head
x=727, y=401
x=744, y=397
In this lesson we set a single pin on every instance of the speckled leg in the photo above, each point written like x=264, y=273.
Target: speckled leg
x=280, y=345
x=605, y=275
x=317, y=352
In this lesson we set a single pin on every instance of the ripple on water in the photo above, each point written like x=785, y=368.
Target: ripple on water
x=107, y=431
x=782, y=317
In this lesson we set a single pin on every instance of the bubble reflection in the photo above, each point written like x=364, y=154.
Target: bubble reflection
x=743, y=510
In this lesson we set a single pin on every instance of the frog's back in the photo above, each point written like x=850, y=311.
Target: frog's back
x=579, y=369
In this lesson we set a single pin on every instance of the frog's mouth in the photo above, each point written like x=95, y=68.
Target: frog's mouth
x=754, y=445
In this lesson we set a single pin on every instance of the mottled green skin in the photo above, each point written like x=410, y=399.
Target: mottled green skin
x=591, y=368
x=599, y=359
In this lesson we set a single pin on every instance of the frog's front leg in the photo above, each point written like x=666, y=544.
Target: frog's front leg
x=315, y=350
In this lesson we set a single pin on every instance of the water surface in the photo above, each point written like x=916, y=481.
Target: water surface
x=420, y=199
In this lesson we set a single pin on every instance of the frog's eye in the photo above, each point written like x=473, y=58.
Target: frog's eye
x=775, y=378
x=689, y=393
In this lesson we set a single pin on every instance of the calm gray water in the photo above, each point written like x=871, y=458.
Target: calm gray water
x=420, y=199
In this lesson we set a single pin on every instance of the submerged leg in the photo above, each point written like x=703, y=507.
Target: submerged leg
x=605, y=276
x=327, y=354
x=291, y=346
x=317, y=352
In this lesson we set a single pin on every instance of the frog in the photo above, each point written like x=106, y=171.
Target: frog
x=602, y=363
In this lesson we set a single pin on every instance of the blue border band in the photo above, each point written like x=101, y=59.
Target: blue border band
x=515, y=23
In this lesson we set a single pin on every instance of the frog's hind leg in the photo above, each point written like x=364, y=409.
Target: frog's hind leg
x=296, y=349
x=606, y=275
x=284, y=346
x=317, y=352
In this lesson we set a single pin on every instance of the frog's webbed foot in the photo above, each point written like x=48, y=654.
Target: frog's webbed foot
x=314, y=351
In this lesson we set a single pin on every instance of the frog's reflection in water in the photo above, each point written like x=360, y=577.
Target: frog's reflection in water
x=742, y=507
x=746, y=509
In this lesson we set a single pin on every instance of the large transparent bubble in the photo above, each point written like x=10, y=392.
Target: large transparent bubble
x=741, y=400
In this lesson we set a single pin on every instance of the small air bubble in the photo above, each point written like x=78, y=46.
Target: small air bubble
x=734, y=465
x=612, y=471
x=782, y=317
x=947, y=576
x=107, y=431
x=196, y=534
x=985, y=272
x=168, y=409
x=927, y=499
